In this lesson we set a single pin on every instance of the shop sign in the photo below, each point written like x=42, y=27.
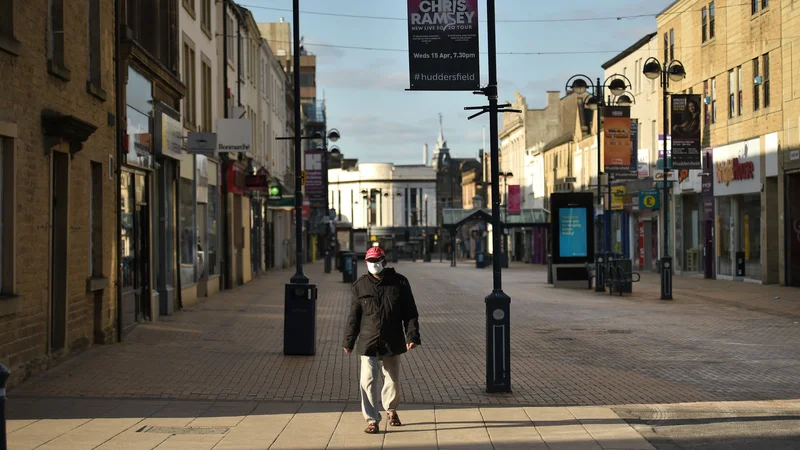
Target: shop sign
x=649, y=199
x=644, y=164
x=234, y=135
x=737, y=168
x=256, y=182
x=618, y=198
x=671, y=176
x=201, y=144
x=171, y=137
x=443, y=46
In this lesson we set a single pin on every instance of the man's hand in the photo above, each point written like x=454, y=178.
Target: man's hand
x=411, y=345
x=347, y=351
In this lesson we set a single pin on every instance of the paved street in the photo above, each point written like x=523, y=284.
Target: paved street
x=580, y=360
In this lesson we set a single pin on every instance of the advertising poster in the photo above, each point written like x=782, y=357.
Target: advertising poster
x=514, y=199
x=617, y=139
x=443, y=48
x=618, y=198
x=315, y=181
x=572, y=241
x=685, y=120
x=633, y=173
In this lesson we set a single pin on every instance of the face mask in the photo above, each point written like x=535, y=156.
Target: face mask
x=375, y=267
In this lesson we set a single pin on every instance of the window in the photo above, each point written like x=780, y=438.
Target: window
x=711, y=17
x=306, y=79
x=671, y=45
x=753, y=6
x=189, y=5
x=55, y=44
x=756, y=97
x=765, y=83
x=7, y=201
x=731, y=96
x=205, y=16
x=713, y=100
x=704, y=22
x=96, y=220
x=205, y=80
x=764, y=4
x=230, y=39
x=740, y=84
x=666, y=48
x=7, y=41
x=95, y=69
x=190, y=80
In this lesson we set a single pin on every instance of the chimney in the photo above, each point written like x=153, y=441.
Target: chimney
x=425, y=154
x=553, y=97
x=281, y=19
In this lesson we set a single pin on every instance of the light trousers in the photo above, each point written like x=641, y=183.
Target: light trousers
x=389, y=396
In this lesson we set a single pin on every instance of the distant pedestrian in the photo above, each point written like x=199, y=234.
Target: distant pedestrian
x=383, y=317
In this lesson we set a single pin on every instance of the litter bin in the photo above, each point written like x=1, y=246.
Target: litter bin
x=327, y=261
x=480, y=260
x=349, y=272
x=740, y=264
x=549, y=269
x=300, y=319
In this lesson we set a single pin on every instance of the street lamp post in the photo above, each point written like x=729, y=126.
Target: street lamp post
x=506, y=176
x=617, y=84
x=672, y=71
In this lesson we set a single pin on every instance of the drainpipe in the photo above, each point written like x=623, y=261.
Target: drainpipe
x=119, y=66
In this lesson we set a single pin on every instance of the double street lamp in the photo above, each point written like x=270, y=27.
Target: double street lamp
x=672, y=71
x=617, y=85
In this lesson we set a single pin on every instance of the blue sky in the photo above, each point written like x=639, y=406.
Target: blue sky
x=365, y=90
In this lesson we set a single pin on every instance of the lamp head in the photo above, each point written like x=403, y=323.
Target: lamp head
x=617, y=86
x=334, y=135
x=676, y=71
x=579, y=86
x=592, y=103
x=652, y=69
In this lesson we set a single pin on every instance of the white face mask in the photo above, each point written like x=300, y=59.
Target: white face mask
x=375, y=267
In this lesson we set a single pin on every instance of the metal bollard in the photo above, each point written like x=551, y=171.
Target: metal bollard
x=4, y=374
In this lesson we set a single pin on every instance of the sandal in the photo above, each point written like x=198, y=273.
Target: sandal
x=394, y=419
x=372, y=428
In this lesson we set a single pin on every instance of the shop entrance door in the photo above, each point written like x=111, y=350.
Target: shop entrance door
x=135, y=264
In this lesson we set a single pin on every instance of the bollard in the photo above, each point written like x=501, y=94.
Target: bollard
x=4, y=374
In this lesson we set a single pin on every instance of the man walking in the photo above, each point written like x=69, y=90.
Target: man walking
x=384, y=318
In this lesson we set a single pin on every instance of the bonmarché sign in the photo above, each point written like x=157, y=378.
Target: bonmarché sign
x=234, y=135
x=443, y=49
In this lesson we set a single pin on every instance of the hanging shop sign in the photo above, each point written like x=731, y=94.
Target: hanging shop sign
x=618, y=198
x=649, y=199
x=443, y=48
x=686, y=131
x=201, y=144
x=234, y=135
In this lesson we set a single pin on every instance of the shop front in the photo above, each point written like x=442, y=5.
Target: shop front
x=136, y=301
x=690, y=229
x=737, y=192
x=239, y=224
x=208, y=220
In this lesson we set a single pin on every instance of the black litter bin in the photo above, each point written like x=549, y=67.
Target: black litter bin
x=300, y=319
x=549, y=269
x=328, y=261
x=480, y=260
x=349, y=271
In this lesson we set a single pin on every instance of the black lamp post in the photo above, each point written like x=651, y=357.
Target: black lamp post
x=673, y=71
x=618, y=85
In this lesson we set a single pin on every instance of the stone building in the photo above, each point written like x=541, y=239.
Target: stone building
x=58, y=127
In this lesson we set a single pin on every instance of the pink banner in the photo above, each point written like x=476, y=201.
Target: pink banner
x=514, y=199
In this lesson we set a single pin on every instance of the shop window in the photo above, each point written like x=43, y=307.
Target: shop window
x=725, y=266
x=748, y=232
x=7, y=41
x=55, y=45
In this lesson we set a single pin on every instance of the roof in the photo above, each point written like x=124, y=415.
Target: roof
x=526, y=217
x=561, y=140
x=667, y=8
x=639, y=44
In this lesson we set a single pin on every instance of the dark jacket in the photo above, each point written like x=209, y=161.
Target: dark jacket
x=383, y=316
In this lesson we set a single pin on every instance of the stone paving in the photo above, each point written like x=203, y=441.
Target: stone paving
x=67, y=424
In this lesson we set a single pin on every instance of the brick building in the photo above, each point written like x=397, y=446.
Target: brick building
x=57, y=173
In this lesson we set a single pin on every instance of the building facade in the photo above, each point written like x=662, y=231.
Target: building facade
x=733, y=58
x=58, y=175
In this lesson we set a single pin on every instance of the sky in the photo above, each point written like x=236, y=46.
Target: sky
x=380, y=121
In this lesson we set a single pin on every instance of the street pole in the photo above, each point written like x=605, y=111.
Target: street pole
x=599, y=274
x=498, y=304
x=666, y=260
x=299, y=277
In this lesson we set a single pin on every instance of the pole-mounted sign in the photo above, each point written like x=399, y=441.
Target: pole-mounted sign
x=443, y=48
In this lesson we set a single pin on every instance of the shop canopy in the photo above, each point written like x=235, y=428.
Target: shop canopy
x=453, y=219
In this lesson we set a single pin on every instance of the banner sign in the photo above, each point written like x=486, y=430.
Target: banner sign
x=443, y=46
x=686, y=132
x=315, y=177
x=633, y=173
x=617, y=139
x=201, y=144
x=514, y=199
